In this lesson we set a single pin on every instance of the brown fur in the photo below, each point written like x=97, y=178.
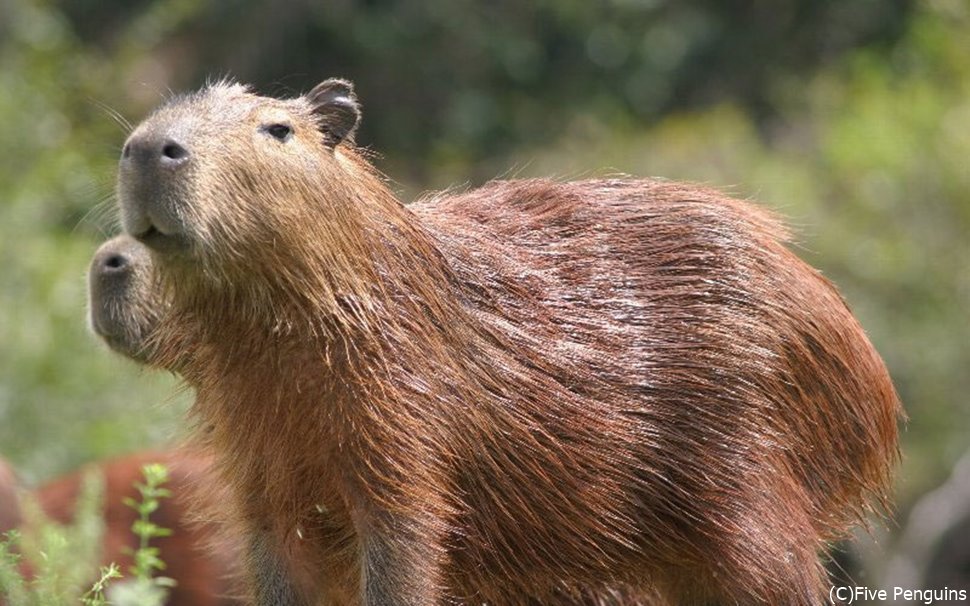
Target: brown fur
x=124, y=305
x=529, y=390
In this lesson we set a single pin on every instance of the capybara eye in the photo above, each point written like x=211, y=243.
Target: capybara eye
x=280, y=132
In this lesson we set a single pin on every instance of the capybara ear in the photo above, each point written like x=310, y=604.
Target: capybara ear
x=336, y=105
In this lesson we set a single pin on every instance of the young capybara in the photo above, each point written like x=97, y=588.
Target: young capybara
x=124, y=302
x=522, y=392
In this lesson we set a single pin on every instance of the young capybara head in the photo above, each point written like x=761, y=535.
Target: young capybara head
x=124, y=301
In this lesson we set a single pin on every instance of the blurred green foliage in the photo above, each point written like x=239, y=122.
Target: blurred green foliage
x=851, y=118
x=46, y=563
x=144, y=588
x=60, y=557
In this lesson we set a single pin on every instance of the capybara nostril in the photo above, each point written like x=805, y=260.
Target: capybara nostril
x=148, y=149
x=123, y=304
x=173, y=154
x=117, y=258
x=115, y=262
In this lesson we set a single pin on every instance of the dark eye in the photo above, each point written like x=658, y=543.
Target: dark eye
x=280, y=132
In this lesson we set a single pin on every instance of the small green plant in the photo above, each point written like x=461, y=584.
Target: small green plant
x=12, y=585
x=95, y=595
x=143, y=588
x=59, y=556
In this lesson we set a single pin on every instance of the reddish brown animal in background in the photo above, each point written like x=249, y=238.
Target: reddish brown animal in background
x=522, y=392
x=10, y=517
x=203, y=575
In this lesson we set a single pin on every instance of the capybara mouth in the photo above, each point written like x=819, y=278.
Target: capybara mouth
x=157, y=240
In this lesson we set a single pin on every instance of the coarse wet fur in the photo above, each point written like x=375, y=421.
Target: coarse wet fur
x=526, y=393
x=125, y=303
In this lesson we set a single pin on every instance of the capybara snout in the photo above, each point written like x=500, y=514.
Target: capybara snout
x=124, y=301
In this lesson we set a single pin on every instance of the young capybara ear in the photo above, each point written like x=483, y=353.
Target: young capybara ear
x=336, y=105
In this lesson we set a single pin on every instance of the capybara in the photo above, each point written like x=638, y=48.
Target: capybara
x=507, y=395
x=204, y=575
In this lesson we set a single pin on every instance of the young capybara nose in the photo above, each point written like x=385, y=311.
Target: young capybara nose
x=114, y=262
x=124, y=305
x=111, y=278
x=148, y=150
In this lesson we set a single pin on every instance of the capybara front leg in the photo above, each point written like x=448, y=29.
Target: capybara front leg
x=271, y=582
x=402, y=565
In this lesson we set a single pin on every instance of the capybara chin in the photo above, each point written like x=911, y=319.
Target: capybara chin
x=526, y=391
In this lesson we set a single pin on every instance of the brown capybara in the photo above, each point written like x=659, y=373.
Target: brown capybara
x=502, y=396
x=204, y=575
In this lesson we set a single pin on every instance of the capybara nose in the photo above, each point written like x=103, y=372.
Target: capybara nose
x=114, y=262
x=148, y=150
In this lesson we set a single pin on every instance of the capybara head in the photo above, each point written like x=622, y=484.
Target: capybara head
x=124, y=299
x=229, y=145
x=266, y=204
